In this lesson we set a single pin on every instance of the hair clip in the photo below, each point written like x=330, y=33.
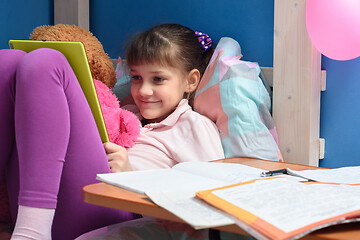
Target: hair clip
x=204, y=39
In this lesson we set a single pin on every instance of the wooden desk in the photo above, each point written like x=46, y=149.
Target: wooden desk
x=106, y=195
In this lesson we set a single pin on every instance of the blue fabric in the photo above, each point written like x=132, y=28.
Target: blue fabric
x=232, y=94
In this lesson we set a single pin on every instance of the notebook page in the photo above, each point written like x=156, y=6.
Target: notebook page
x=159, y=180
x=228, y=172
x=192, y=210
x=182, y=177
x=290, y=205
x=347, y=175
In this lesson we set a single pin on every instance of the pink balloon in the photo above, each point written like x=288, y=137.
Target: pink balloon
x=334, y=27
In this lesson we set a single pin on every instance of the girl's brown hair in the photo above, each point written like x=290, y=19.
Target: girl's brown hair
x=169, y=45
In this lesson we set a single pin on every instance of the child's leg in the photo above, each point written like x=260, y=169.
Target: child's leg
x=58, y=145
x=9, y=60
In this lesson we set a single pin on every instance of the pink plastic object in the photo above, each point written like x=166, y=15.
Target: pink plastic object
x=334, y=27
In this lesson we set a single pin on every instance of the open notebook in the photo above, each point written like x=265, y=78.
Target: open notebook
x=76, y=56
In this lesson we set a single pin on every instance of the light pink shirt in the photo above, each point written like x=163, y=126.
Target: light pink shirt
x=183, y=136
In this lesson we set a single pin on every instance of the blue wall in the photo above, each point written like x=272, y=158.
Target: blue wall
x=19, y=17
x=250, y=22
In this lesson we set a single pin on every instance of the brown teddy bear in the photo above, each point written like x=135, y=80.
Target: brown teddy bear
x=100, y=65
x=122, y=126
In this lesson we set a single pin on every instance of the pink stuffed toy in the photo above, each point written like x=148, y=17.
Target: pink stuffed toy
x=123, y=126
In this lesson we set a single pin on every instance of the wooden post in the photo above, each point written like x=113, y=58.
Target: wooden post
x=297, y=84
x=72, y=12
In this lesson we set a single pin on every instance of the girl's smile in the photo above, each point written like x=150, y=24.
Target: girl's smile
x=145, y=101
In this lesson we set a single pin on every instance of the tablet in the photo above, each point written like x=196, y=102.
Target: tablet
x=76, y=56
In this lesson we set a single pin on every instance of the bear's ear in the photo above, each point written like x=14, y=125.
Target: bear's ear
x=102, y=69
x=38, y=31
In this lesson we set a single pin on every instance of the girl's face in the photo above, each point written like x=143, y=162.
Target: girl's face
x=157, y=90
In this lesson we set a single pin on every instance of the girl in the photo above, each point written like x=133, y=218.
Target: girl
x=166, y=63
x=49, y=140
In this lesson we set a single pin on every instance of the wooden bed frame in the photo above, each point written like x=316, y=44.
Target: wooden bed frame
x=296, y=77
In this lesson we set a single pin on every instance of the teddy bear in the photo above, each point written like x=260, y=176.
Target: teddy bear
x=122, y=126
x=99, y=62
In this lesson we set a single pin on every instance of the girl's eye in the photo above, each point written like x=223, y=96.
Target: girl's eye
x=158, y=79
x=136, y=78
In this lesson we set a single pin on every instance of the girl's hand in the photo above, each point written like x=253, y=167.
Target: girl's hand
x=117, y=157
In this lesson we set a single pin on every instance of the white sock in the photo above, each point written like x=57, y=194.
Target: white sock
x=33, y=223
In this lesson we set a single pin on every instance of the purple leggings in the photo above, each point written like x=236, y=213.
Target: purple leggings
x=49, y=144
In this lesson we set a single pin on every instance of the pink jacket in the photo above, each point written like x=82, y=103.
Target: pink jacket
x=183, y=136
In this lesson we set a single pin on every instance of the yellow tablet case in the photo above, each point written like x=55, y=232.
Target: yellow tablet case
x=76, y=56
